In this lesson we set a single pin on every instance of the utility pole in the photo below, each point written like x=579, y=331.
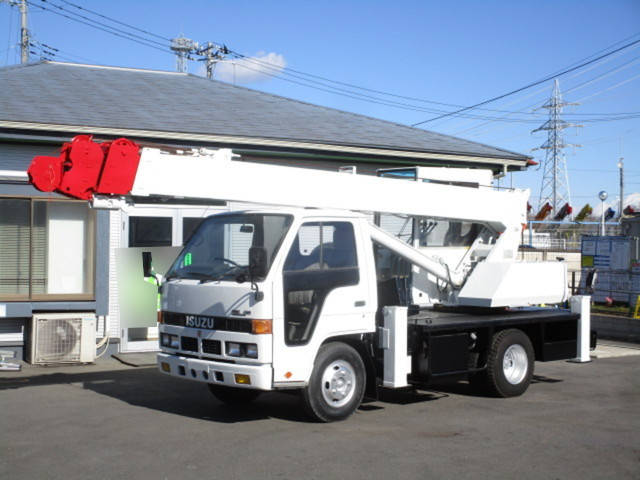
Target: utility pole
x=24, y=33
x=621, y=168
x=24, y=30
x=555, y=179
x=184, y=48
x=212, y=54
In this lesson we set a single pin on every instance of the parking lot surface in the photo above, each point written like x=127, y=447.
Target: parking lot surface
x=112, y=421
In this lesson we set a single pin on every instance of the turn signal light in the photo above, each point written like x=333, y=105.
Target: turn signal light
x=160, y=316
x=259, y=327
x=242, y=379
x=166, y=367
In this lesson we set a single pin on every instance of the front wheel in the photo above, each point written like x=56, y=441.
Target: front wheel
x=336, y=386
x=509, y=363
x=233, y=395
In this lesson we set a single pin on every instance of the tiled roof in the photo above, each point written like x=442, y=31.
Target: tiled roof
x=110, y=97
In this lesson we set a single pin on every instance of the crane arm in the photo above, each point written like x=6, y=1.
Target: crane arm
x=121, y=168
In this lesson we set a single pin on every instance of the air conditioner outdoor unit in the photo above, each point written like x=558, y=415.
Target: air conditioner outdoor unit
x=63, y=338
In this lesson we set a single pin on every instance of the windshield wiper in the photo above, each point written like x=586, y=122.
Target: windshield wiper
x=221, y=275
x=192, y=276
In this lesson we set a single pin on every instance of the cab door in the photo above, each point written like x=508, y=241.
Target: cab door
x=325, y=293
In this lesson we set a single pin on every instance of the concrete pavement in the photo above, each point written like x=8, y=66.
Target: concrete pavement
x=112, y=421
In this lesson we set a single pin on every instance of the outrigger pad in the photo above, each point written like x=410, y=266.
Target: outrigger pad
x=85, y=167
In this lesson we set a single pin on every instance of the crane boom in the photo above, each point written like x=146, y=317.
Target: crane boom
x=86, y=169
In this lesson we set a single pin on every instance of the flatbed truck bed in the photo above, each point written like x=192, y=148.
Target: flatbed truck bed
x=442, y=319
x=455, y=342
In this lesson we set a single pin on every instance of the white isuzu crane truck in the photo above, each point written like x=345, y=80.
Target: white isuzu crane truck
x=312, y=295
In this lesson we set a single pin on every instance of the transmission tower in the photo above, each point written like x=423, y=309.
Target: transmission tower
x=555, y=179
x=183, y=47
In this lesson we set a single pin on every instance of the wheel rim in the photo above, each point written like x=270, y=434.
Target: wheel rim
x=338, y=383
x=515, y=364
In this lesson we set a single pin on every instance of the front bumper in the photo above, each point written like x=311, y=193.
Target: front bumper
x=219, y=373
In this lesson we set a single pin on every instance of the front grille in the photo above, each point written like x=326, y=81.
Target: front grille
x=234, y=324
x=211, y=346
x=189, y=344
x=220, y=323
x=173, y=318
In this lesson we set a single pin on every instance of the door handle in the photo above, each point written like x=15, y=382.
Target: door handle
x=360, y=303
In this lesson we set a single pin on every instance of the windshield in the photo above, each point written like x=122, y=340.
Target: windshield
x=219, y=248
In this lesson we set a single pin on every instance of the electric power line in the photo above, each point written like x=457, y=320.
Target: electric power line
x=273, y=71
x=115, y=21
x=299, y=75
x=267, y=64
x=133, y=35
x=107, y=30
x=533, y=84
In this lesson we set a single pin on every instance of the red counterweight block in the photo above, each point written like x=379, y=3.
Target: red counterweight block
x=81, y=167
x=85, y=167
x=120, y=167
x=45, y=173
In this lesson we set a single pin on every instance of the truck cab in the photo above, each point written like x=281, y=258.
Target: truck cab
x=255, y=294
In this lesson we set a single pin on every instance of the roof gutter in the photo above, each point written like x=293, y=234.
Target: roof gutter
x=263, y=142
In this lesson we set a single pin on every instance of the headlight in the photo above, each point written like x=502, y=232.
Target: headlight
x=251, y=350
x=168, y=340
x=233, y=349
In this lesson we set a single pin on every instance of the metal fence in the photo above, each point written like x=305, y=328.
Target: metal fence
x=549, y=240
x=563, y=236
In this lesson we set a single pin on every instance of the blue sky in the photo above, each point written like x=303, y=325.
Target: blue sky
x=452, y=52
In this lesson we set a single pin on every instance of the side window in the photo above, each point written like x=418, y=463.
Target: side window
x=445, y=233
x=323, y=257
x=323, y=246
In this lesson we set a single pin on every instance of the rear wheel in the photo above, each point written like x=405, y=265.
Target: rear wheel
x=510, y=363
x=233, y=395
x=336, y=386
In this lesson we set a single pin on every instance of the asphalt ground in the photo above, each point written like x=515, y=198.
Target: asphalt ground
x=112, y=421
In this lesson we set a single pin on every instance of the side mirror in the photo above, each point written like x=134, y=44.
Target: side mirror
x=146, y=264
x=258, y=262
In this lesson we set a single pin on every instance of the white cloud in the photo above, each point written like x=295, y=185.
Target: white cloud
x=250, y=69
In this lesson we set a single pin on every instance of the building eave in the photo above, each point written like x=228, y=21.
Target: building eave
x=511, y=163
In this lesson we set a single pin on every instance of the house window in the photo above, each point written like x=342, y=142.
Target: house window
x=150, y=231
x=46, y=249
x=15, y=241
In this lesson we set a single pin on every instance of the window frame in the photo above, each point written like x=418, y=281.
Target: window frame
x=320, y=281
x=323, y=266
x=91, y=255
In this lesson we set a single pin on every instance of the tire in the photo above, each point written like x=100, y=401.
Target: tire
x=337, y=383
x=233, y=395
x=510, y=364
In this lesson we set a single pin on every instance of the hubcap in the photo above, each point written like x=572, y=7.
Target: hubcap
x=338, y=383
x=515, y=364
